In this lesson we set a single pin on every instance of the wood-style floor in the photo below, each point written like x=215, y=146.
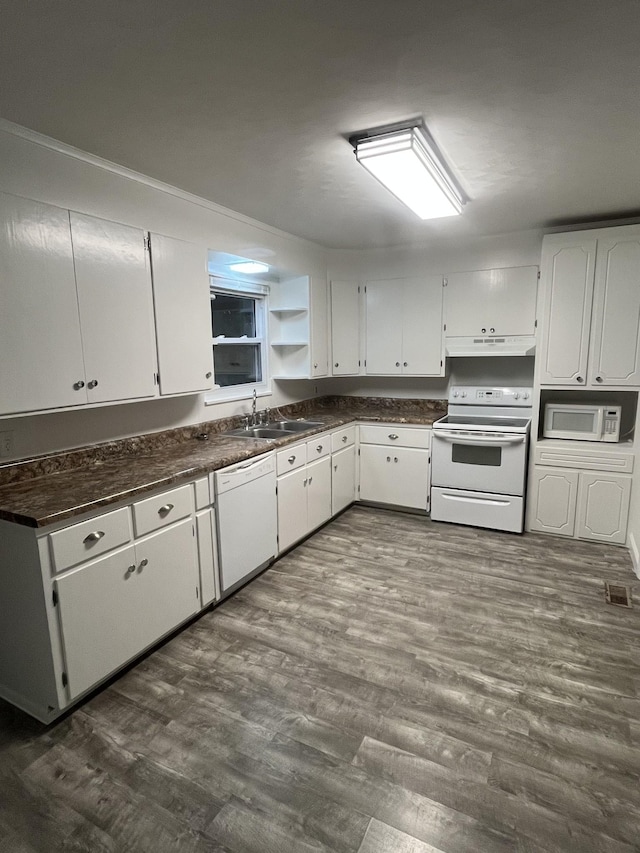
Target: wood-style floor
x=391, y=686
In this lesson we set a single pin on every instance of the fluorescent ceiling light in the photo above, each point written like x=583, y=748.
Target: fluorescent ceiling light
x=249, y=267
x=408, y=164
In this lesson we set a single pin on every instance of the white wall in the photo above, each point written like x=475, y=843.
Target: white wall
x=37, y=168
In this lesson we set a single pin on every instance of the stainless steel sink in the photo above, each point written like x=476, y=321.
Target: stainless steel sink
x=256, y=432
x=277, y=430
x=295, y=426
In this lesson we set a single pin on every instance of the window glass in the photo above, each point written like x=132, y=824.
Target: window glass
x=238, y=330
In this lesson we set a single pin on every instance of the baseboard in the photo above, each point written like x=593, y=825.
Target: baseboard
x=635, y=554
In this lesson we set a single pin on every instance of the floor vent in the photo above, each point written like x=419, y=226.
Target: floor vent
x=616, y=594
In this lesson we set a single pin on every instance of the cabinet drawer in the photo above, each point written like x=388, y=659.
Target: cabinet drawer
x=156, y=512
x=343, y=438
x=89, y=539
x=291, y=458
x=318, y=447
x=587, y=458
x=395, y=436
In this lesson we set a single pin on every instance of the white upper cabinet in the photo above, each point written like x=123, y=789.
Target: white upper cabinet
x=568, y=262
x=591, y=308
x=404, y=327
x=614, y=358
x=113, y=277
x=345, y=328
x=491, y=302
x=40, y=343
x=298, y=328
x=183, y=315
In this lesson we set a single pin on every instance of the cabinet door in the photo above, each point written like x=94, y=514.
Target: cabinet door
x=615, y=329
x=343, y=479
x=345, y=328
x=319, y=305
x=553, y=495
x=116, y=309
x=567, y=276
x=603, y=507
x=292, y=508
x=422, y=333
x=183, y=315
x=384, y=316
x=40, y=344
x=491, y=302
x=318, y=493
x=397, y=476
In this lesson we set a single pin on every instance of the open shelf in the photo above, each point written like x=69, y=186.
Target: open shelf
x=289, y=343
x=300, y=310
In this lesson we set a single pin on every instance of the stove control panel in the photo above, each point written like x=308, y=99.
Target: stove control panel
x=490, y=396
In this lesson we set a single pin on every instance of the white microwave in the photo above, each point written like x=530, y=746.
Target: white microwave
x=582, y=421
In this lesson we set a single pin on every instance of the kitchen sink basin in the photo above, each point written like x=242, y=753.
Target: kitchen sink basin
x=277, y=430
x=256, y=432
x=295, y=426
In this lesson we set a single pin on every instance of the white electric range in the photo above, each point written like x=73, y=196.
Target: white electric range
x=479, y=457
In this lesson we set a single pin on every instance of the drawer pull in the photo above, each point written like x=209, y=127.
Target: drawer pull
x=310, y=480
x=392, y=436
x=388, y=459
x=144, y=563
x=395, y=458
x=291, y=460
x=94, y=537
x=164, y=510
x=344, y=439
x=130, y=570
x=319, y=448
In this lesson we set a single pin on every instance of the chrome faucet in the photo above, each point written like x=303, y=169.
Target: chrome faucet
x=254, y=416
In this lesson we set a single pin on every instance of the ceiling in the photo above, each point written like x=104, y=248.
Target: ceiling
x=535, y=103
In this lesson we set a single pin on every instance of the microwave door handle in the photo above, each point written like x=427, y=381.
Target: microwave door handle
x=599, y=426
x=480, y=441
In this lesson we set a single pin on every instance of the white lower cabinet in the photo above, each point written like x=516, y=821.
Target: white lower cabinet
x=304, y=501
x=586, y=504
x=207, y=556
x=394, y=466
x=118, y=605
x=553, y=498
x=343, y=479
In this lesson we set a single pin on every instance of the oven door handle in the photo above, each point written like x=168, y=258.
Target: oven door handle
x=478, y=440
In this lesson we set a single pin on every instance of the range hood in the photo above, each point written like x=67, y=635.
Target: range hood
x=519, y=345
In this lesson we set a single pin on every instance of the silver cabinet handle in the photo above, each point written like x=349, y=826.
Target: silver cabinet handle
x=207, y=375
x=405, y=364
x=395, y=458
x=492, y=330
x=165, y=509
x=344, y=439
x=580, y=378
x=335, y=467
x=598, y=378
x=319, y=448
x=144, y=563
x=484, y=331
x=392, y=436
x=397, y=364
x=304, y=483
x=93, y=383
x=94, y=537
x=337, y=364
x=291, y=460
x=130, y=570
x=310, y=479
x=315, y=364
x=78, y=385
x=388, y=459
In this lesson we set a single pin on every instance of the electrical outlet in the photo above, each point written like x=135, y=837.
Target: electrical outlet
x=6, y=443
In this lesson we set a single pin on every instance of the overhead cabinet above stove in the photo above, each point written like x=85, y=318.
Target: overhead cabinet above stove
x=491, y=312
x=591, y=308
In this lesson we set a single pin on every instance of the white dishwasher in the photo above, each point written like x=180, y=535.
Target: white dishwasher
x=247, y=519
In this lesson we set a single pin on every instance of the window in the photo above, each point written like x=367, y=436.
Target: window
x=238, y=329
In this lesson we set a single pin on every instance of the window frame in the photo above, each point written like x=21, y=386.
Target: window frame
x=260, y=294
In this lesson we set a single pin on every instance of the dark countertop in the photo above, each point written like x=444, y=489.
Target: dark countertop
x=55, y=496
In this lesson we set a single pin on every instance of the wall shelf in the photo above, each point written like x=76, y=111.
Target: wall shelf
x=289, y=343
